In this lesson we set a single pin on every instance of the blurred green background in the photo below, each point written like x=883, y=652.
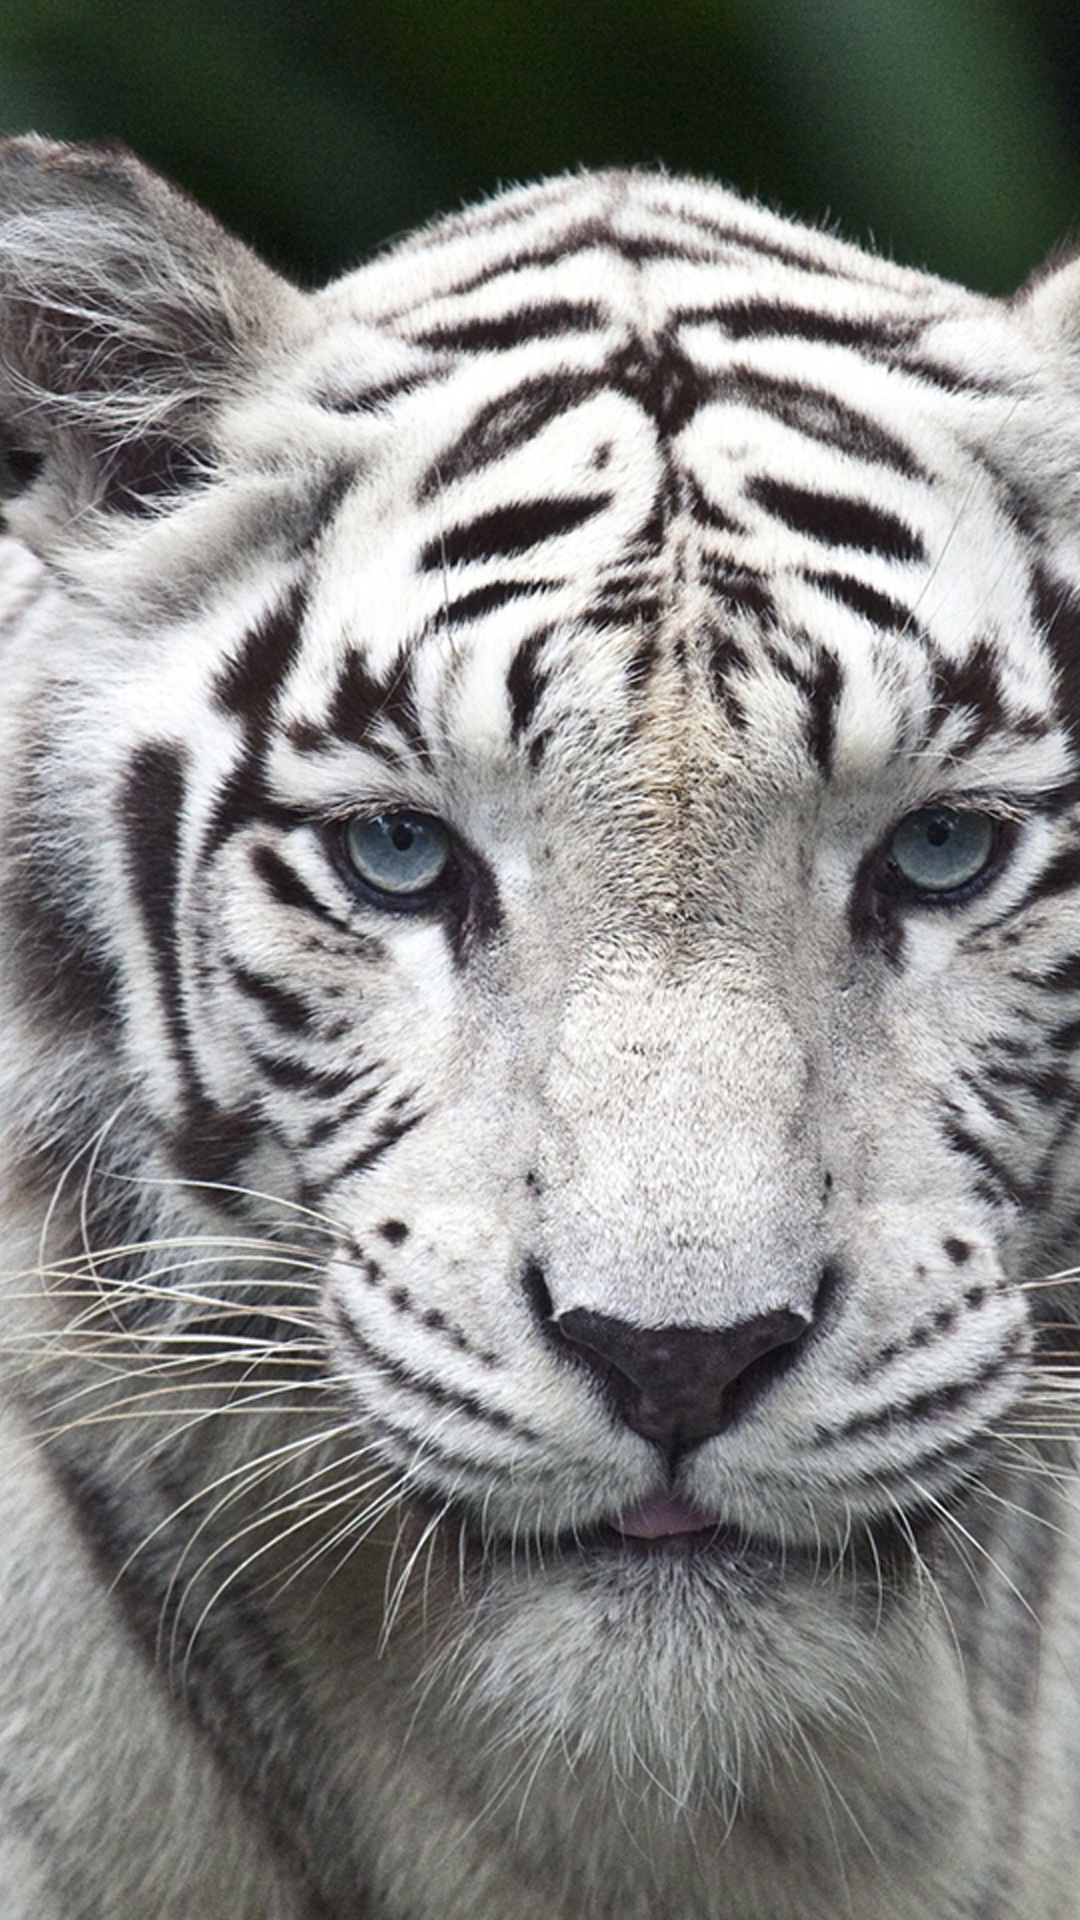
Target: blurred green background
x=948, y=131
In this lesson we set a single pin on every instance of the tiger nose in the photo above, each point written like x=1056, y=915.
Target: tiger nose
x=680, y=1385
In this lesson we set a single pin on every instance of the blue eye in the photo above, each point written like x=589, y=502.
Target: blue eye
x=400, y=854
x=940, y=850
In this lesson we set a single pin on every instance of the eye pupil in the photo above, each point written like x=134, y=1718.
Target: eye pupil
x=938, y=832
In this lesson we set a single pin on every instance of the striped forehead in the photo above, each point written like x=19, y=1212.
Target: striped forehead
x=580, y=493
x=603, y=423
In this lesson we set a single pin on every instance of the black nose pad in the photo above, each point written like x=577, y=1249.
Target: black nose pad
x=680, y=1385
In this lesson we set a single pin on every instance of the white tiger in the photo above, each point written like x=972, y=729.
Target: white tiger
x=541, y=982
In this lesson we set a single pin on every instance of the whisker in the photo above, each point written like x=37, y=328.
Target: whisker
x=304, y=1505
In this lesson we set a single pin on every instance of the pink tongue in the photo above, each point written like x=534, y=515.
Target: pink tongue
x=663, y=1515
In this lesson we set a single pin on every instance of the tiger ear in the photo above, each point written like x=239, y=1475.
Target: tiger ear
x=1048, y=302
x=126, y=317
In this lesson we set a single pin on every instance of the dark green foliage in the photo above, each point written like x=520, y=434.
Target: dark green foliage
x=948, y=130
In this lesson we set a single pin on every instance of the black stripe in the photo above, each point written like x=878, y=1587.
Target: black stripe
x=314, y=513
x=360, y=700
x=1066, y=1038
x=971, y=685
x=997, y=1181
x=887, y=338
x=592, y=235
x=510, y=530
x=991, y=1102
x=210, y=1142
x=283, y=883
x=890, y=615
x=240, y=798
x=424, y=1458
x=487, y=599
x=936, y=373
x=757, y=319
x=251, y=682
x=1049, y=1085
x=821, y=685
x=631, y=609
x=837, y=520
x=932, y=1404
x=1062, y=977
x=422, y=1386
x=798, y=250
x=507, y=423
x=1060, y=875
x=819, y=415
x=642, y=664
x=661, y=380
x=381, y=394
x=823, y=698
x=331, y=1123
x=928, y=1332
x=1013, y=1046
x=432, y=1318
x=586, y=236
x=151, y=810
x=526, y=681
x=299, y=1076
x=728, y=667
x=63, y=963
x=285, y=1009
x=629, y=586
x=1057, y=609
x=739, y=588
x=249, y=688
x=641, y=249
x=723, y=239
x=966, y=1449
x=705, y=512
x=539, y=320
x=386, y=1136
x=372, y=399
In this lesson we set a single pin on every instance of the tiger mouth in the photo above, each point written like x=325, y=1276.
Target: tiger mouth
x=715, y=1542
x=672, y=1533
x=664, y=1517
x=665, y=1529
x=666, y=1526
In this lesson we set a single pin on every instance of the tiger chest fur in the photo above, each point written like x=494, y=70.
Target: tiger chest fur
x=540, y=994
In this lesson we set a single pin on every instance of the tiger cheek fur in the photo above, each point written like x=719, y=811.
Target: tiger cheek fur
x=540, y=955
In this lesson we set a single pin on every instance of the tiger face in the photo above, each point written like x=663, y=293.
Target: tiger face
x=558, y=769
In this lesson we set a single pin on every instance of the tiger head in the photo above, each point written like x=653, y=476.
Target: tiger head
x=543, y=780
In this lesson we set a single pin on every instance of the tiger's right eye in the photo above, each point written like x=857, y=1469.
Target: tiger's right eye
x=940, y=851
x=398, y=855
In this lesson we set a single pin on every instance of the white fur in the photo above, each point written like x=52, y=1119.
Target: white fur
x=350, y=1658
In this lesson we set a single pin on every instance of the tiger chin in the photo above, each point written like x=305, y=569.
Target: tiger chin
x=539, y=1012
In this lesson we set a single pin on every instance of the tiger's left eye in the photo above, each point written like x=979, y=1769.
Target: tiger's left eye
x=399, y=854
x=941, y=850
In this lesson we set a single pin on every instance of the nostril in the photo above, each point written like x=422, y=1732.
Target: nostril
x=681, y=1385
